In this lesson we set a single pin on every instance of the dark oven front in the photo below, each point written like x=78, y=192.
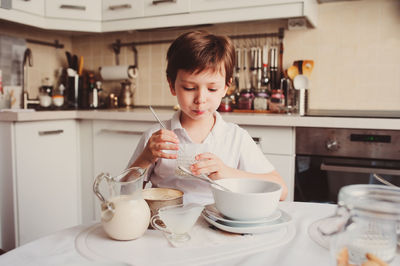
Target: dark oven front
x=329, y=158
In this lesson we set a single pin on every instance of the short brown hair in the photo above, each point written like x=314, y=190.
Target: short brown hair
x=196, y=51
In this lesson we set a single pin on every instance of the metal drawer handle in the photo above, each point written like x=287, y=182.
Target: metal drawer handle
x=126, y=132
x=123, y=6
x=156, y=2
x=50, y=132
x=83, y=8
x=355, y=169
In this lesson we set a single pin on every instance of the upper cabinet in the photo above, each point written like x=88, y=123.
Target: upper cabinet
x=122, y=9
x=120, y=15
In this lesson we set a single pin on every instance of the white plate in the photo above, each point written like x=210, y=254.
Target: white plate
x=213, y=213
x=284, y=220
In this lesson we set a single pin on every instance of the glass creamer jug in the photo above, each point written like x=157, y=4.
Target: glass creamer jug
x=125, y=215
x=367, y=221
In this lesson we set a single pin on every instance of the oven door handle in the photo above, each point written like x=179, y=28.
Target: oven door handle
x=355, y=169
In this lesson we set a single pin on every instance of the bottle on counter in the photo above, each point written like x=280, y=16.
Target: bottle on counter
x=45, y=93
x=58, y=96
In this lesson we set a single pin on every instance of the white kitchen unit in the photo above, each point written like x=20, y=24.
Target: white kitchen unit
x=113, y=145
x=122, y=9
x=278, y=145
x=41, y=175
x=120, y=15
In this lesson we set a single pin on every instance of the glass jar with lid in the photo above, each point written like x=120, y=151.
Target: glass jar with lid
x=260, y=101
x=245, y=101
x=366, y=222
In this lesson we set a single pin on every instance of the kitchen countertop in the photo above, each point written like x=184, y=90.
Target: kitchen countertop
x=251, y=119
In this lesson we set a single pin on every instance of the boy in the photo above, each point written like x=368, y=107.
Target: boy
x=199, y=72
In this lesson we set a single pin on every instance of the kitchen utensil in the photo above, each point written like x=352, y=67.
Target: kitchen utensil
x=307, y=67
x=249, y=199
x=80, y=66
x=202, y=177
x=69, y=59
x=265, y=78
x=178, y=220
x=383, y=181
x=292, y=72
x=75, y=62
x=158, y=119
x=125, y=215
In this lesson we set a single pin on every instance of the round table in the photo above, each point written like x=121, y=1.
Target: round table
x=62, y=248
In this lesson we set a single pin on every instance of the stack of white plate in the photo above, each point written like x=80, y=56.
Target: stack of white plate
x=273, y=222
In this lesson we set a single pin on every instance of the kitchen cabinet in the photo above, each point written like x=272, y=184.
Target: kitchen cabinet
x=74, y=9
x=278, y=145
x=33, y=7
x=120, y=15
x=42, y=181
x=122, y=9
x=113, y=145
x=165, y=7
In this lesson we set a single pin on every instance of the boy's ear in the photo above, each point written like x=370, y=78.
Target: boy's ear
x=227, y=86
x=171, y=87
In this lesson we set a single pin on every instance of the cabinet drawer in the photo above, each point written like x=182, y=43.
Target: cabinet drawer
x=203, y=5
x=122, y=9
x=273, y=140
x=75, y=9
x=165, y=7
x=34, y=7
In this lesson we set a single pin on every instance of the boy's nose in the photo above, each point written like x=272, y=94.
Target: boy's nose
x=201, y=96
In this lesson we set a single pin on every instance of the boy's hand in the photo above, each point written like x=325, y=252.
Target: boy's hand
x=210, y=163
x=161, y=140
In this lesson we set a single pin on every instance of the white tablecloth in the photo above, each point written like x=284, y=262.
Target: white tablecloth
x=60, y=248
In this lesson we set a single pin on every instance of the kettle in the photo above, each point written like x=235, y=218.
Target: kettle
x=126, y=95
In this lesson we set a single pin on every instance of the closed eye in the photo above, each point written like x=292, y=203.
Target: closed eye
x=212, y=89
x=188, y=89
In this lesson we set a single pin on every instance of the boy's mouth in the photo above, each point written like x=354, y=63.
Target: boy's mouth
x=199, y=112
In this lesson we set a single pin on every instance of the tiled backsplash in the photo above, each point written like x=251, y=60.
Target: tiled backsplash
x=355, y=48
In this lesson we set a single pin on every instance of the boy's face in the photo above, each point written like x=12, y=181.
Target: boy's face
x=199, y=94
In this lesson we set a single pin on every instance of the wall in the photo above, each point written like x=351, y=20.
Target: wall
x=46, y=59
x=355, y=48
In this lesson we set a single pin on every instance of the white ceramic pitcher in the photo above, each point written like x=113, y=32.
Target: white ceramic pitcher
x=125, y=215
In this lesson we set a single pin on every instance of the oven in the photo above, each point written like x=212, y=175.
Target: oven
x=329, y=158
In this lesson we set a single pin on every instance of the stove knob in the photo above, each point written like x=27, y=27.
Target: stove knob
x=332, y=145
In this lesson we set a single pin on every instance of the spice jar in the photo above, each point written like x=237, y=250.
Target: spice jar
x=58, y=96
x=366, y=220
x=245, y=101
x=226, y=104
x=260, y=101
x=277, y=101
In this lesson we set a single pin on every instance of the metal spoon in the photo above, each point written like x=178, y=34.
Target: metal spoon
x=383, y=181
x=203, y=177
x=158, y=119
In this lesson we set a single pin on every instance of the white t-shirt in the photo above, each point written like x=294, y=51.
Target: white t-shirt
x=231, y=143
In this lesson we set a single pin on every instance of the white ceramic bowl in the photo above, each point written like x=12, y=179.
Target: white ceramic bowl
x=250, y=199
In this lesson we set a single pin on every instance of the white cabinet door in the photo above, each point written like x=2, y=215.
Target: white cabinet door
x=202, y=5
x=113, y=145
x=34, y=6
x=165, y=7
x=74, y=9
x=122, y=9
x=47, y=179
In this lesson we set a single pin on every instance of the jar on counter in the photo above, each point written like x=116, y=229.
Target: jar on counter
x=58, y=96
x=365, y=222
x=260, y=101
x=226, y=104
x=245, y=101
x=45, y=94
x=277, y=101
